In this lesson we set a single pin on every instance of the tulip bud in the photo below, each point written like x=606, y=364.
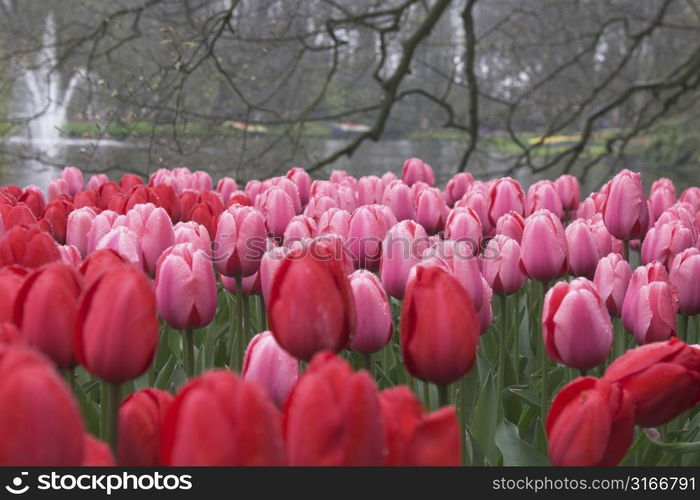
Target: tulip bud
x=28, y=247
x=664, y=241
x=278, y=209
x=402, y=248
x=505, y=195
x=569, y=192
x=582, y=248
x=590, y=422
x=463, y=224
x=625, y=212
x=370, y=190
x=78, y=226
x=398, y=197
x=439, y=327
x=567, y=306
x=612, y=277
x=661, y=197
x=543, y=251
x=685, y=270
x=302, y=180
x=543, y=195
x=74, y=179
x=141, y=417
x=500, y=265
x=414, y=170
x=662, y=377
x=431, y=210
x=193, y=233
x=457, y=187
x=266, y=363
x=11, y=280
x=301, y=227
x=117, y=325
x=333, y=417
x=511, y=224
x=374, y=323
x=235, y=423
x=240, y=241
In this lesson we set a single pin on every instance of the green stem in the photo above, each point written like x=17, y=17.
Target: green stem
x=584, y=373
x=516, y=338
x=443, y=395
x=236, y=360
x=543, y=363
x=426, y=395
x=367, y=362
x=247, y=326
x=263, y=314
x=626, y=251
x=189, y=352
x=110, y=414
x=682, y=332
x=500, y=376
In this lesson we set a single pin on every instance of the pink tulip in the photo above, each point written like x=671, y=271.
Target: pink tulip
x=347, y=200
x=543, y=194
x=398, y=197
x=463, y=265
x=661, y=197
x=302, y=180
x=240, y=240
x=543, y=251
x=270, y=262
x=185, y=287
x=253, y=189
x=512, y=225
x=568, y=306
x=74, y=180
x=401, y=249
x=685, y=277
x=78, y=225
x=56, y=188
x=500, y=265
x=692, y=196
x=457, y=187
x=682, y=212
x=505, y=195
x=193, y=233
x=366, y=230
x=318, y=205
x=592, y=205
x=125, y=242
x=374, y=325
x=463, y=224
x=582, y=248
x=96, y=181
x=387, y=177
x=226, y=187
x=612, y=277
x=269, y=365
x=289, y=187
x=664, y=241
x=431, y=210
x=606, y=242
x=478, y=201
x=278, y=209
x=625, y=212
x=569, y=192
x=414, y=170
x=370, y=190
x=70, y=255
x=335, y=221
x=299, y=227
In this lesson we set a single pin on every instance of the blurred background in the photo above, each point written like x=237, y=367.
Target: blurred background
x=250, y=88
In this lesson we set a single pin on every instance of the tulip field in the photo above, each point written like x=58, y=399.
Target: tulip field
x=174, y=320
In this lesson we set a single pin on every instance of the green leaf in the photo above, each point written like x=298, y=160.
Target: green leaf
x=514, y=450
x=677, y=448
x=483, y=424
x=528, y=396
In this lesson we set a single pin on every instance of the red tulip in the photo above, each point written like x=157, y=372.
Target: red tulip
x=685, y=270
x=266, y=363
x=185, y=287
x=50, y=292
x=141, y=417
x=332, y=417
x=439, y=327
x=33, y=198
x=130, y=180
x=402, y=248
x=117, y=325
x=625, y=212
x=27, y=246
x=11, y=279
x=217, y=419
x=612, y=277
x=582, y=248
x=414, y=438
x=204, y=214
x=16, y=215
x=169, y=201
x=374, y=324
x=240, y=241
x=567, y=306
x=97, y=263
x=500, y=265
x=310, y=308
x=96, y=453
x=590, y=422
x=9, y=334
x=42, y=422
x=543, y=250
x=414, y=170
x=662, y=377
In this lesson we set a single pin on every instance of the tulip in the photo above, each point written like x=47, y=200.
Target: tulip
x=692, y=196
x=56, y=188
x=457, y=187
x=431, y=210
x=366, y=230
x=461, y=263
x=11, y=279
x=569, y=192
x=240, y=241
x=398, y=197
x=567, y=306
x=130, y=180
x=117, y=325
x=370, y=190
x=664, y=241
x=582, y=248
x=439, y=327
x=301, y=227
x=266, y=363
x=318, y=205
x=661, y=197
x=226, y=187
x=9, y=334
x=136, y=195
x=235, y=424
x=302, y=180
x=56, y=218
x=73, y=178
x=239, y=198
x=604, y=240
x=96, y=453
x=592, y=205
x=270, y=262
x=78, y=226
x=374, y=323
x=543, y=250
x=278, y=209
x=28, y=247
x=463, y=224
x=333, y=417
x=402, y=247
x=505, y=195
x=32, y=392
x=289, y=187
x=683, y=275
x=106, y=192
x=662, y=377
x=612, y=277
x=511, y=224
x=193, y=233
x=125, y=242
x=334, y=221
x=33, y=198
x=543, y=195
x=154, y=229
x=141, y=417
x=96, y=181
x=253, y=189
x=185, y=287
x=51, y=291
x=414, y=438
x=500, y=265
x=17, y=215
x=590, y=422
x=643, y=275
x=97, y=263
x=478, y=201
x=101, y=225
x=414, y=170
x=204, y=214
x=625, y=212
